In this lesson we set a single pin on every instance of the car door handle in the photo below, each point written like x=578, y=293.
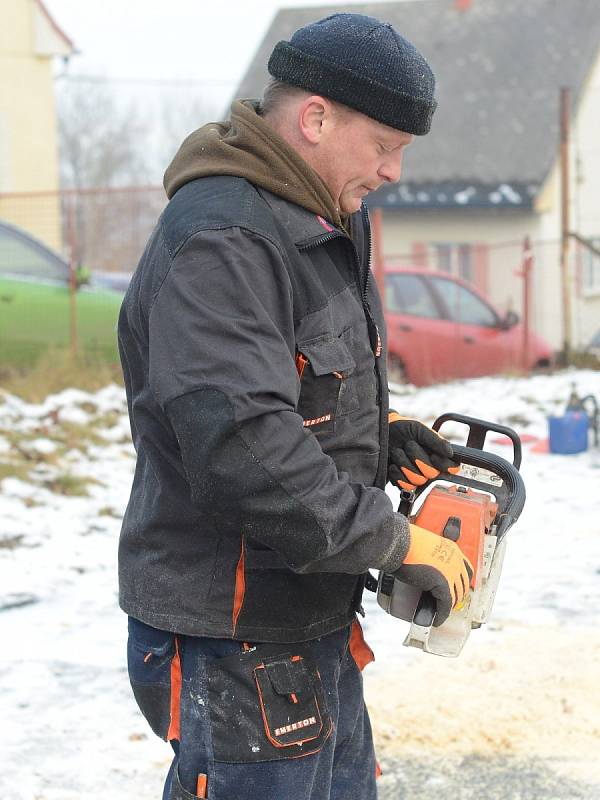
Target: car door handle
x=404, y=327
x=469, y=340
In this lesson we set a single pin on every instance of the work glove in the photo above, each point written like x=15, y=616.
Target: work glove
x=437, y=565
x=416, y=453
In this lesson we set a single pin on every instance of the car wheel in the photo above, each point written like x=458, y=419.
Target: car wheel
x=396, y=370
x=542, y=367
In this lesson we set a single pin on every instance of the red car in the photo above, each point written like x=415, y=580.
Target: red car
x=441, y=327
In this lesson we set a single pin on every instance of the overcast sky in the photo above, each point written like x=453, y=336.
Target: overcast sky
x=210, y=41
x=171, y=64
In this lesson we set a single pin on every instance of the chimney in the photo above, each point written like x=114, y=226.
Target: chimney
x=462, y=5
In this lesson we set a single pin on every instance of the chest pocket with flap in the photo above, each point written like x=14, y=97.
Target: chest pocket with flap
x=325, y=366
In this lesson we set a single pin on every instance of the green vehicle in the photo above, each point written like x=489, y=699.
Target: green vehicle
x=35, y=303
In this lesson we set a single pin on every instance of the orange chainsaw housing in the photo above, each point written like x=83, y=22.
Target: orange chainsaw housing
x=476, y=512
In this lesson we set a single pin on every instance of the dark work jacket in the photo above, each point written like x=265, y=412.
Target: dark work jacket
x=252, y=344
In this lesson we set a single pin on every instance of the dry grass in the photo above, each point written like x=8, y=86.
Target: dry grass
x=55, y=371
x=11, y=542
x=58, y=370
x=69, y=484
x=585, y=361
x=77, y=437
x=12, y=469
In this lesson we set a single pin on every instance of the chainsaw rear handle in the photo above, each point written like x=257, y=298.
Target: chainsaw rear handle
x=425, y=611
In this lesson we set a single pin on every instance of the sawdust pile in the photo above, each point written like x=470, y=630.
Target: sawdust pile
x=523, y=691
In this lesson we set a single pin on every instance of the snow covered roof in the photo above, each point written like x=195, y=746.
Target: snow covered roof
x=448, y=194
x=499, y=65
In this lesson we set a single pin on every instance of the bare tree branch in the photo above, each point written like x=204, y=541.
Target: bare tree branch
x=100, y=140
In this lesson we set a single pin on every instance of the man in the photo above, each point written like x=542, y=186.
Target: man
x=253, y=348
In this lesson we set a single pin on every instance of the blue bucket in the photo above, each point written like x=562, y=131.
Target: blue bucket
x=568, y=434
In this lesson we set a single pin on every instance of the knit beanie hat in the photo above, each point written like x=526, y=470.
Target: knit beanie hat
x=362, y=63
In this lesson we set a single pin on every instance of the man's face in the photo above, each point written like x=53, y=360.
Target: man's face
x=358, y=155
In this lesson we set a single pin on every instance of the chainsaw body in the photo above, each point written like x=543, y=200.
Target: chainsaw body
x=475, y=509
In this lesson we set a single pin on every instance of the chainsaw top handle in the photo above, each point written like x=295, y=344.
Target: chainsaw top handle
x=499, y=477
x=509, y=491
x=478, y=428
x=510, y=496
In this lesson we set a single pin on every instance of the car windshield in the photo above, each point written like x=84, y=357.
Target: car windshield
x=28, y=259
x=408, y=294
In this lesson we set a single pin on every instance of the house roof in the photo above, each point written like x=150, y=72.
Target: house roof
x=64, y=45
x=499, y=66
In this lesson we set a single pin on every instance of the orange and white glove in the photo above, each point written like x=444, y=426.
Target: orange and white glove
x=416, y=453
x=437, y=565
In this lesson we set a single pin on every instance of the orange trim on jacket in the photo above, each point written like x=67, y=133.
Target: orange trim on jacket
x=301, y=362
x=240, y=587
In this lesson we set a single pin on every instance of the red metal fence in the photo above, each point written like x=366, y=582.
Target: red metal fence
x=104, y=231
x=522, y=276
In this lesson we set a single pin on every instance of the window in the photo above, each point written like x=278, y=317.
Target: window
x=465, y=262
x=408, y=294
x=591, y=268
x=443, y=254
x=456, y=259
x=463, y=305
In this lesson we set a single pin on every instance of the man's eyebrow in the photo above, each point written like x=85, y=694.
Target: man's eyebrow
x=389, y=146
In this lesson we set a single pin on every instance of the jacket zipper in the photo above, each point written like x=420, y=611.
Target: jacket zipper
x=367, y=221
x=364, y=285
x=362, y=281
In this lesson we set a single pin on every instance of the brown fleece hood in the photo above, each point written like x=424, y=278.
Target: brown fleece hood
x=248, y=147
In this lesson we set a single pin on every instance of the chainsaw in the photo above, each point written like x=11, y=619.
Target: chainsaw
x=475, y=508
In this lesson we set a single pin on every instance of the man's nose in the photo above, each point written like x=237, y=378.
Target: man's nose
x=391, y=169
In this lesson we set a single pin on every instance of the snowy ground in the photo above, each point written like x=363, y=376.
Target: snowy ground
x=525, y=686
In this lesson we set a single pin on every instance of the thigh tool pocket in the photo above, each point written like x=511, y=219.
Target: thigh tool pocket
x=325, y=366
x=266, y=706
x=152, y=659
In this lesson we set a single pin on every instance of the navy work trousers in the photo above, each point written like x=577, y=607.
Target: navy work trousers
x=250, y=721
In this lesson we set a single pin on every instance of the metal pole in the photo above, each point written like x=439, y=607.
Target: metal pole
x=377, y=238
x=73, y=272
x=527, y=269
x=565, y=115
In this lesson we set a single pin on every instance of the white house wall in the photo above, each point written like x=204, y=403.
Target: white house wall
x=584, y=212
x=547, y=281
x=585, y=193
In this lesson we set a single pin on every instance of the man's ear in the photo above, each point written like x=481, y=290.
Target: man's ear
x=312, y=115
